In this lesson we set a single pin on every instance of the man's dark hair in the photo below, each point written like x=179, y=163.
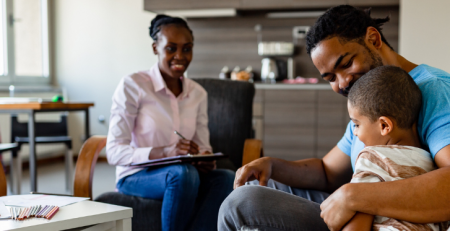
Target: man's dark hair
x=161, y=20
x=347, y=23
x=387, y=91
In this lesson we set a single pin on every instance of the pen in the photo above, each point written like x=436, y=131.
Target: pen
x=182, y=137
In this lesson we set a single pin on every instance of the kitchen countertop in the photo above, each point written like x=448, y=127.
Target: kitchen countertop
x=284, y=86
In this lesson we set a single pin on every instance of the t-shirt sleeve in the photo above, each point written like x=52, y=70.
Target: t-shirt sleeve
x=345, y=144
x=436, y=116
x=366, y=168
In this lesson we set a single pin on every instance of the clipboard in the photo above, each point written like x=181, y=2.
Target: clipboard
x=178, y=159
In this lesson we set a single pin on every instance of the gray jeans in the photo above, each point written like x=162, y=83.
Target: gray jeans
x=273, y=208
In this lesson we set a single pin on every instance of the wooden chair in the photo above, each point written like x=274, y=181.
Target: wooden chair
x=3, y=186
x=14, y=168
x=87, y=159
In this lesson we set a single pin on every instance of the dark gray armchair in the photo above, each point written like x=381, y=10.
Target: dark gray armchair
x=230, y=125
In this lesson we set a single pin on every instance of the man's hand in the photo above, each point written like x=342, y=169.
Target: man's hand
x=260, y=169
x=335, y=211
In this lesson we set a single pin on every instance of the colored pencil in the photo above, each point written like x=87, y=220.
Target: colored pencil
x=37, y=210
x=44, y=211
x=51, y=213
x=22, y=211
x=40, y=211
x=48, y=210
x=27, y=214
x=32, y=211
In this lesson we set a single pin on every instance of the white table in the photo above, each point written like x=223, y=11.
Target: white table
x=85, y=215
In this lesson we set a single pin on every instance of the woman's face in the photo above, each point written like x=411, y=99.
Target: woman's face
x=174, y=50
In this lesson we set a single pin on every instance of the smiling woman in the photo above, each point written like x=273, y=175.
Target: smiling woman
x=148, y=106
x=173, y=45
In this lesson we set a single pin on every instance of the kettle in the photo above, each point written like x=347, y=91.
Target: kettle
x=269, y=70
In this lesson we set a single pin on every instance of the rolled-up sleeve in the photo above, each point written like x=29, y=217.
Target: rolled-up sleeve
x=201, y=136
x=125, y=107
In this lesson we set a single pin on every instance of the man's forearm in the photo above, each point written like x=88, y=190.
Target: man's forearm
x=360, y=222
x=307, y=173
x=421, y=199
x=326, y=174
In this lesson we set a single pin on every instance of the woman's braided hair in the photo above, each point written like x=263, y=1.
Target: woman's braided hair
x=346, y=22
x=161, y=20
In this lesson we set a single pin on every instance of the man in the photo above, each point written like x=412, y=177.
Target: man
x=344, y=44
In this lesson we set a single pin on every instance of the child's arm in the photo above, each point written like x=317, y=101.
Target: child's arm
x=360, y=222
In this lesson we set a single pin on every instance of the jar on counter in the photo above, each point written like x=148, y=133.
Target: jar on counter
x=225, y=73
x=234, y=73
x=251, y=74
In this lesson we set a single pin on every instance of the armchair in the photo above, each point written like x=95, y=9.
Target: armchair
x=230, y=125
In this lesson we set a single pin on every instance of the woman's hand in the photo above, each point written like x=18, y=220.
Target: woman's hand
x=185, y=147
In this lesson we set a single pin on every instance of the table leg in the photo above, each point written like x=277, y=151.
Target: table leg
x=123, y=225
x=86, y=124
x=32, y=143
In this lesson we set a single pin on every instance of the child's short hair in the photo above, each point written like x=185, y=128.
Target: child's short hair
x=387, y=91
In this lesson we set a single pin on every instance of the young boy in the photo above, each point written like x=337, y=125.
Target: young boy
x=384, y=105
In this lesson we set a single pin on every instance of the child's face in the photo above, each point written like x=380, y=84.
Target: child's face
x=369, y=132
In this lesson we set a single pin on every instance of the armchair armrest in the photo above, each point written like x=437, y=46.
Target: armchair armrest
x=252, y=151
x=3, y=186
x=84, y=171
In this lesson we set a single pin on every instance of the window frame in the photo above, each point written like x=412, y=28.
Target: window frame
x=9, y=44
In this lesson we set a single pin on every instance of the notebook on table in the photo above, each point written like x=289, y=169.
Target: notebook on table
x=179, y=159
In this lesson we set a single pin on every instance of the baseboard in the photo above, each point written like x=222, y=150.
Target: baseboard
x=51, y=160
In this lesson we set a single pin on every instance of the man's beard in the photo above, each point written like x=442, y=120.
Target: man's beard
x=375, y=58
x=375, y=62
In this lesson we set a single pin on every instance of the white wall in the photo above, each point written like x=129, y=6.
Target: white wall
x=96, y=43
x=425, y=31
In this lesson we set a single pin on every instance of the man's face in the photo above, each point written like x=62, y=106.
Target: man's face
x=368, y=131
x=342, y=63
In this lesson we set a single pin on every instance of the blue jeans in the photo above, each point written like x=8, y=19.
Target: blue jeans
x=190, y=199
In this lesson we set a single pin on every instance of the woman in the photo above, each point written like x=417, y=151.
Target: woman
x=147, y=108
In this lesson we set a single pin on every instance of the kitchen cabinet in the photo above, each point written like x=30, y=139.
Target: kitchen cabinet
x=158, y=5
x=299, y=123
x=288, y=4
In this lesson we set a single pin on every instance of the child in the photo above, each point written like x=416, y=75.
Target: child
x=384, y=106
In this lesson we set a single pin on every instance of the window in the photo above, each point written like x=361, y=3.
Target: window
x=24, y=44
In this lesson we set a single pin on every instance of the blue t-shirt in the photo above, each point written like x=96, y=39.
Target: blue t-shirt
x=434, y=118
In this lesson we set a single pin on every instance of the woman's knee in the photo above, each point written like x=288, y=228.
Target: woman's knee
x=184, y=174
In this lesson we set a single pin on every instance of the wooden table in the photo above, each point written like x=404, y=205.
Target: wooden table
x=85, y=215
x=31, y=108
